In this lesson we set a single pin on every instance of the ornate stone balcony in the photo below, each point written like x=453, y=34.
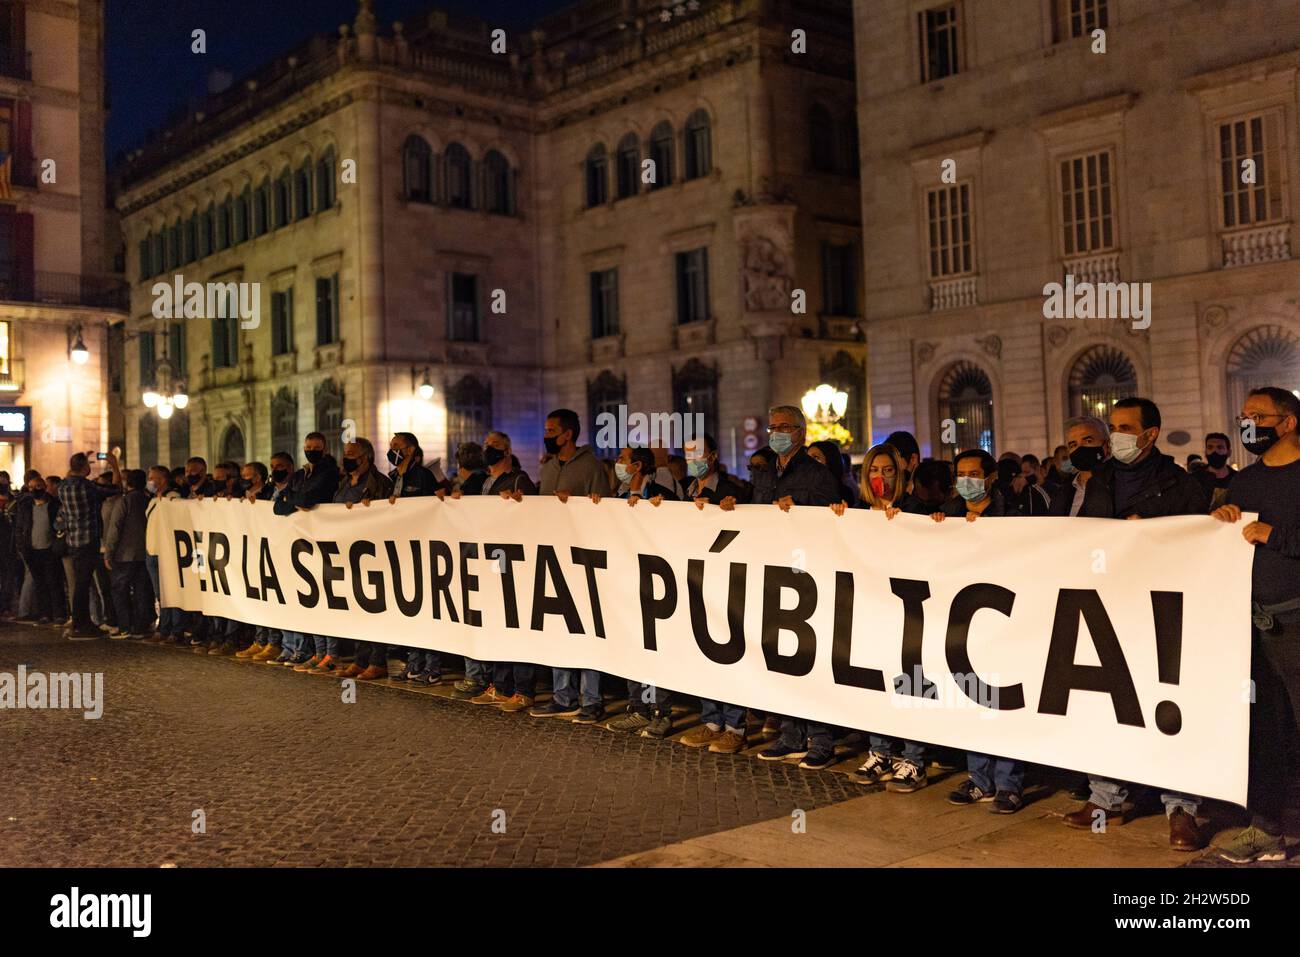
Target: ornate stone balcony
x=1095, y=268
x=954, y=293
x=1259, y=244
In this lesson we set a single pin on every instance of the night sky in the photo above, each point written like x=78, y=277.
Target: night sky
x=151, y=71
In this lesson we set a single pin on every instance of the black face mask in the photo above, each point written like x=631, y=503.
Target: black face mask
x=394, y=457
x=193, y=479
x=1218, y=460
x=1031, y=479
x=351, y=465
x=314, y=456
x=38, y=494
x=1265, y=438
x=552, y=445
x=1086, y=458
x=492, y=456
x=279, y=475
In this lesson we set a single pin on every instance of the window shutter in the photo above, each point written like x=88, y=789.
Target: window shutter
x=22, y=142
x=24, y=254
x=334, y=308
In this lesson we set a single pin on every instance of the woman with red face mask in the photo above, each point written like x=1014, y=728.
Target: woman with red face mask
x=883, y=487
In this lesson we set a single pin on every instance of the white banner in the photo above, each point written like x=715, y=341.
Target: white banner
x=1116, y=648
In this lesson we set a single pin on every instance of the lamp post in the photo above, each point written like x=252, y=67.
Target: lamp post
x=823, y=407
x=168, y=396
x=425, y=388
x=77, y=350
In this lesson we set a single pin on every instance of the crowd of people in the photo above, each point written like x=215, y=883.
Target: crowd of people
x=73, y=551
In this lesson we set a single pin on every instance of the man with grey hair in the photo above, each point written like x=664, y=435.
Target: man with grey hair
x=1087, y=444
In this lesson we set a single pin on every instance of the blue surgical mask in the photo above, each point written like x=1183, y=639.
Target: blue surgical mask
x=698, y=468
x=781, y=442
x=622, y=471
x=971, y=489
x=1066, y=467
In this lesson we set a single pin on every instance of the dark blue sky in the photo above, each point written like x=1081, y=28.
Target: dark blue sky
x=151, y=70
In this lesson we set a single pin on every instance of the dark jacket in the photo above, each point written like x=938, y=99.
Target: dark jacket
x=1030, y=501
x=955, y=507
x=652, y=489
x=514, y=480
x=473, y=483
x=1164, y=489
x=1063, y=500
x=22, y=521
x=804, y=479
x=372, y=485
x=309, y=490
x=124, y=531
x=727, y=486
x=208, y=488
x=417, y=481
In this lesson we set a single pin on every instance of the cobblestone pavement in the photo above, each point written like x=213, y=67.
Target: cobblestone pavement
x=285, y=773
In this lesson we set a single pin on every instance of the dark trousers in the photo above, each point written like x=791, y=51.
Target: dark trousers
x=48, y=593
x=85, y=559
x=647, y=700
x=799, y=734
x=1275, y=669
x=132, y=597
x=104, y=583
x=369, y=653
x=512, y=678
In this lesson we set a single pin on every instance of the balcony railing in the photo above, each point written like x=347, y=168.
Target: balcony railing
x=1261, y=244
x=16, y=63
x=1095, y=268
x=953, y=293
x=11, y=375
x=66, y=289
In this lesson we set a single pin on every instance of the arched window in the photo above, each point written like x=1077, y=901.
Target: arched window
x=597, y=182
x=699, y=146
x=302, y=190
x=469, y=413
x=1099, y=378
x=459, y=180
x=417, y=169
x=605, y=394
x=498, y=180
x=232, y=444
x=147, y=428
x=207, y=224
x=1264, y=356
x=966, y=397
x=284, y=422
x=223, y=226
x=243, y=206
x=661, y=151
x=178, y=437
x=325, y=186
x=283, y=199
x=629, y=165
x=695, y=392
x=329, y=416
x=262, y=209
x=821, y=139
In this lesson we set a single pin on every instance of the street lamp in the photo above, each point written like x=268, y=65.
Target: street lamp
x=77, y=350
x=168, y=396
x=823, y=407
x=425, y=389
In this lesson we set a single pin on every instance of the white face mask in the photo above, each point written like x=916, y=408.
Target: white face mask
x=1124, y=447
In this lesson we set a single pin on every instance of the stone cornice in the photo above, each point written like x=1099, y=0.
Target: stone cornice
x=1080, y=112
x=949, y=145
x=1249, y=72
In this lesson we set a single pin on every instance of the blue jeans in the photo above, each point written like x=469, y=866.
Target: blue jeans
x=478, y=671
x=562, y=687
x=719, y=716
x=992, y=775
x=912, y=753
x=1111, y=794
x=799, y=734
x=293, y=641
x=422, y=661
x=170, y=621
x=268, y=636
x=330, y=645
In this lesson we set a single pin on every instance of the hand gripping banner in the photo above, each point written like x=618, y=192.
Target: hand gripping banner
x=1121, y=649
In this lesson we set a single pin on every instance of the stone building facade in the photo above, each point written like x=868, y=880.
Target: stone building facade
x=502, y=238
x=57, y=253
x=1115, y=141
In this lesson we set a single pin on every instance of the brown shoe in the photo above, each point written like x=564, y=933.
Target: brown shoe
x=269, y=652
x=490, y=697
x=727, y=743
x=373, y=673
x=350, y=671
x=309, y=664
x=701, y=736
x=226, y=649
x=1084, y=818
x=518, y=702
x=252, y=651
x=1184, y=835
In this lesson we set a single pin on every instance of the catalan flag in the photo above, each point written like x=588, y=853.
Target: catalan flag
x=6, y=170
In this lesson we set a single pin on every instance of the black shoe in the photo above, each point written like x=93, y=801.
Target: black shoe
x=968, y=792
x=779, y=752
x=593, y=714
x=84, y=634
x=818, y=759
x=659, y=727
x=1007, y=802
x=553, y=709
